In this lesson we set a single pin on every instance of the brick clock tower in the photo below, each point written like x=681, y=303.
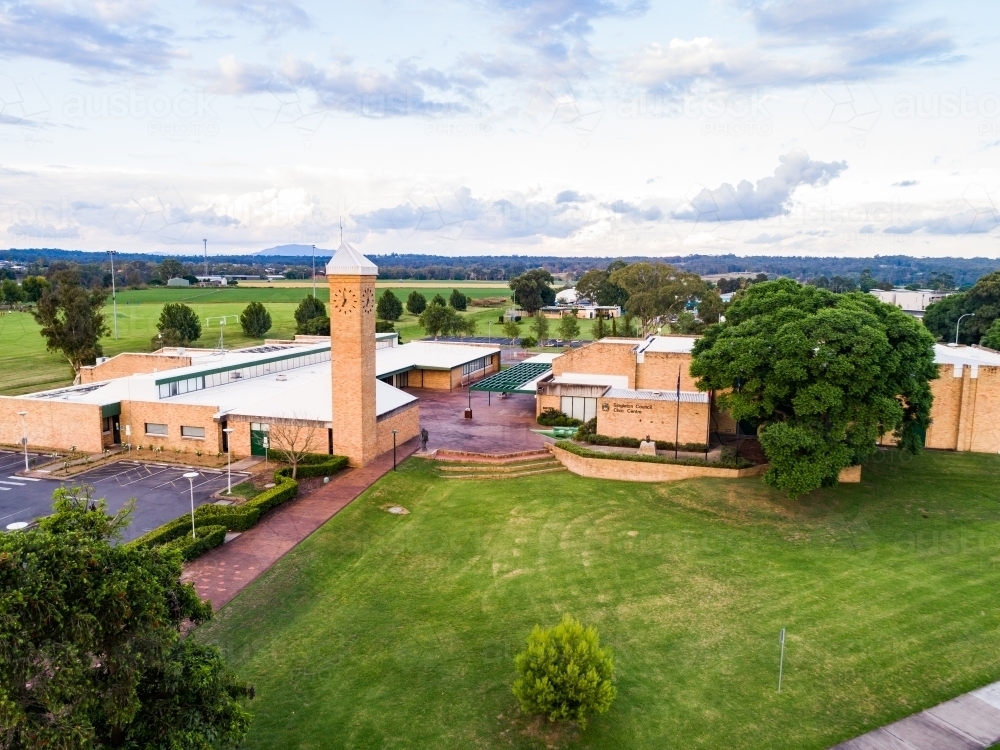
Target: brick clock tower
x=352, y=353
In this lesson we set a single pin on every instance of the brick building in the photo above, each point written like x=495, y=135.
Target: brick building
x=345, y=391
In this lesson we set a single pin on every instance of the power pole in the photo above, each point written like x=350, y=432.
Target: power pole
x=314, y=271
x=114, y=298
x=206, y=260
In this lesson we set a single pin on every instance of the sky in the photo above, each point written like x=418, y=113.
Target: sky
x=455, y=127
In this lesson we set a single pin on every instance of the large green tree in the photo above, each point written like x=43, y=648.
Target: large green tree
x=309, y=308
x=72, y=320
x=90, y=648
x=657, y=291
x=34, y=287
x=179, y=323
x=389, y=307
x=171, y=268
x=255, y=320
x=983, y=300
x=443, y=320
x=533, y=290
x=596, y=285
x=416, y=303
x=823, y=374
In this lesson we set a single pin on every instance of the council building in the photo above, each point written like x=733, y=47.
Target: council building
x=345, y=390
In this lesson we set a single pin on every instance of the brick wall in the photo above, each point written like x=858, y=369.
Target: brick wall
x=947, y=390
x=637, y=418
x=636, y=471
x=440, y=380
x=51, y=424
x=406, y=421
x=547, y=402
x=129, y=363
x=985, y=430
x=600, y=358
x=658, y=371
x=137, y=413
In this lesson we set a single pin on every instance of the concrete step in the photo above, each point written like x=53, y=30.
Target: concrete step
x=489, y=458
x=500, y=468
x=512, y=475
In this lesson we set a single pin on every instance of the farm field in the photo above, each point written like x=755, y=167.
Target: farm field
x=384, y=631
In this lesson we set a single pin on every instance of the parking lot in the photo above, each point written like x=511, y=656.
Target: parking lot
x=161, y=491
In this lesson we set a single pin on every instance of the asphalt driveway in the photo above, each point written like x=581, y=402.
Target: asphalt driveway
x=161, y=491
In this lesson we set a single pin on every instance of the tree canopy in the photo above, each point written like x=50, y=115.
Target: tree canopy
x=179, y=323
x=389, y=307
x=458, y=300
x=823, y=374
x=255, y=320
x=596, y=285
x=90, y=648
x=533, y=290
x=72, y=320
x=983, y=300
x=309, y=308
x=34, y=287
x=416, y=302
x=656, y=291
x=442, y=320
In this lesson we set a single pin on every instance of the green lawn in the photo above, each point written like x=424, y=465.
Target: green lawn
x=383, y=631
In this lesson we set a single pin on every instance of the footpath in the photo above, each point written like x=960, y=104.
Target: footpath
x=222, y=573
x=968, y=722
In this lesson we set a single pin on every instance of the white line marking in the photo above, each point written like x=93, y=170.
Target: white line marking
x=16, y=484
x=5, y=489
x=26, y=479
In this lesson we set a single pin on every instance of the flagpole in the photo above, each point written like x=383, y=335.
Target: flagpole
x=677, y=425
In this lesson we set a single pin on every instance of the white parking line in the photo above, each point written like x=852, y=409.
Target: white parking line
x=4, y=489
x=16, y=484
x=26, y=479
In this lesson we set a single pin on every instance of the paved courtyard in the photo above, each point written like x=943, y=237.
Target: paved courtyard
x=161, y=491
x=498, y=425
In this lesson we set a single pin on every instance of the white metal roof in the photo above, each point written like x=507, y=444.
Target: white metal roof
x=428, y=355
x=687, y=397
x=587, y=378
x=349, y=262
x=543, y=357
x=965, y=355
x=671, y=344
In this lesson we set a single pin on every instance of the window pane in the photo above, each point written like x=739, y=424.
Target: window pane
x=193, y=432
x=589, y=409
x=153, y=428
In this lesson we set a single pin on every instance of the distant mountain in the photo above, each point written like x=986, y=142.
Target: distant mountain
x=298, y=251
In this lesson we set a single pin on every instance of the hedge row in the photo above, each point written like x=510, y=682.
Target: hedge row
x=556, y=418
x=208, y=537
x=630, y=442
x=213, y=521
x=726, y=462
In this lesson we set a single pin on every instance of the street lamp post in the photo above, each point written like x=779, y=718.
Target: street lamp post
x=489, y=331
x=394, y=449
x=206, y=260
x=114, y=297
x=191, y=476
x=24, y=437
x=229, y=460
x=967, y=315
x=314, y=272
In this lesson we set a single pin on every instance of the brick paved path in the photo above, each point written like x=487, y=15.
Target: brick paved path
x=222, y=573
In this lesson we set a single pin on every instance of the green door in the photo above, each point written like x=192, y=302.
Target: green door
x=258, y=436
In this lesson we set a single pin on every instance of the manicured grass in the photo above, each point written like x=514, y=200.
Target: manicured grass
x=383, y=631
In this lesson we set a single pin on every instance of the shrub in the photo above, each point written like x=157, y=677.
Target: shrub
x=458, y=300
x=385, y=326
x=389, y=307
x=308, y=309
x=318, y=326
x=527, y=342
x=556, y=418
x=725, y=463
x=416, y=303
x=255, y=320
x=180, y=321
x=208, y=537
x=564, y=673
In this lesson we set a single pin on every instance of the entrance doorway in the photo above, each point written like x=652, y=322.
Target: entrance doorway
x=258, y=438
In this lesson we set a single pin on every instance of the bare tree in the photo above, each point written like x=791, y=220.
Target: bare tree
x=294, y=438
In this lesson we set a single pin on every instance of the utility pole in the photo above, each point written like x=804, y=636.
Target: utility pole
x=114, y=299
x=967, y=315
x=314, y=272
x=206, y=260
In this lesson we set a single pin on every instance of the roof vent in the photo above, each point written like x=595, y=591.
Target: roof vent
x=281, y=378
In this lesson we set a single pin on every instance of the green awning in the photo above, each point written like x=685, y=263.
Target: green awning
x=111, y=410
x=513, y=379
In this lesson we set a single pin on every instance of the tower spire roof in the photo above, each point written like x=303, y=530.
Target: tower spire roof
x=349, y=262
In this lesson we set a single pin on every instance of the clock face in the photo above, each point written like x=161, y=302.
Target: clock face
x=344, y=301
x=368, y=301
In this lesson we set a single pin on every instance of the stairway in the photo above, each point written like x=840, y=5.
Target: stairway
x=510, y=466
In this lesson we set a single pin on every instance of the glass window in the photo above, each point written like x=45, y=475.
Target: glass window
x=193, y=432
x=154, y=428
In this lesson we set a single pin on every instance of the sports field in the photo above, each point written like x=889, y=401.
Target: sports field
x=384, y=631
x=27, y=366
